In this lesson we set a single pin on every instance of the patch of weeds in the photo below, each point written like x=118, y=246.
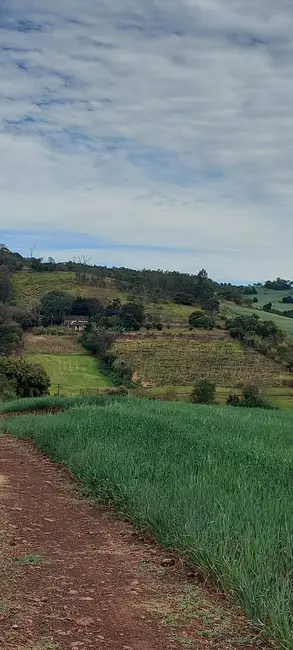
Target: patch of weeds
x=185, y=641
x=32, y=559
x=5, y=606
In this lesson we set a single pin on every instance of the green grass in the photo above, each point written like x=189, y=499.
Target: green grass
x=212, y=482
x=182, y=360
x=268, y=295
x=28, y=286
x=280, y=396
x=73, y=373
x=32, y=404
x=284, y=323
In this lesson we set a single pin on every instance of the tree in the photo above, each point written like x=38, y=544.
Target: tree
x=129, y=322
x=54, y=305
x=204, y=392
x=287, y=299
x=96, y=340
x=5, y=284
x=30, y=379
x=200, y=320
x=267, y=306
x=87, y=307
x=183, y=298
x=249, y=291
x=10, y=332
x=250, y=398
x=135, y=309
x=212, y=305
x=7, y=388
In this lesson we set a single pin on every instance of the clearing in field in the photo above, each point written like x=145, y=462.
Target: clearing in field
x=182, y=360
x=72, y=373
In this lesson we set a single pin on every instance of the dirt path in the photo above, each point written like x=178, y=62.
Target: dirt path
x=73, y=576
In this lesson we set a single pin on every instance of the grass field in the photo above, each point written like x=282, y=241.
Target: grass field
x=279, y=397
x=180, y=361
x=268, y=295
x=210, y=482
x=72, y=373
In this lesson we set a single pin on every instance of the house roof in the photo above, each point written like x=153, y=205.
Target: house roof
x=76, y=319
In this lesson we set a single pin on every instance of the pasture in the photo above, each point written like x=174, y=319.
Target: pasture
x=286, y=324
x=72, y=373
x=211, y=483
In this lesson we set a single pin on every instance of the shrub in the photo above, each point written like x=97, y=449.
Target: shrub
x=200, y=320
x=30, y=379
x=250, y=398
x=204, y=392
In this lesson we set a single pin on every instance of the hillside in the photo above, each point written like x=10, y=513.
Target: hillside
x=180, y=360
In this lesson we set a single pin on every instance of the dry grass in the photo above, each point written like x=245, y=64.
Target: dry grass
x=43, y=344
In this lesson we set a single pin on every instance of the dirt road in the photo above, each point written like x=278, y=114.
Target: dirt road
x=74, y=576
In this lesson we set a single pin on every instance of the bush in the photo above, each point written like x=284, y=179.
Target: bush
x=30, y=379
x=200, y=320
x=182, y=298
x=250, y=398
x=204, y=392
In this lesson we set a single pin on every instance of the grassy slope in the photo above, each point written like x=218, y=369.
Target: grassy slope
x=28, y=287
x=213, y=482
x=267, y=295
x=285, y=324
x=213, y=355
x=72, y=372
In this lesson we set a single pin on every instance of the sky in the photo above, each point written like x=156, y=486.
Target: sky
x=149, y=133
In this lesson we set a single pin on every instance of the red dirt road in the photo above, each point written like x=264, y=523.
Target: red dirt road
x=73, y=576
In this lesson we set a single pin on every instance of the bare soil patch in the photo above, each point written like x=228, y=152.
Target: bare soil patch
x=75, y=577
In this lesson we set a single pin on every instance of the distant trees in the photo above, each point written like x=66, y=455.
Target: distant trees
x=249, y=291
x=287, y=300
x=27, y=379
x=182, y=298
x=278, y=285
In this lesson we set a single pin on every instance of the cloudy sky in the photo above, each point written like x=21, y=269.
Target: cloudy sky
x=149, y=133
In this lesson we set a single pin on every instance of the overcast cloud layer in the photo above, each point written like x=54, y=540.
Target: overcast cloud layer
x=152, y=133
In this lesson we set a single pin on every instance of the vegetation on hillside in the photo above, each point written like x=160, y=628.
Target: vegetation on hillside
x=216, y=487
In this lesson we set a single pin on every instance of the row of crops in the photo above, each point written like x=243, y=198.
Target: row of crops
x=182, y=361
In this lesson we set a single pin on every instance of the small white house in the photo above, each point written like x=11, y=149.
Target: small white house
x=76, y=323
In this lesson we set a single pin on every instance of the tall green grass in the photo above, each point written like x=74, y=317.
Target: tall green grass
x=213, y=482
x=33, y=404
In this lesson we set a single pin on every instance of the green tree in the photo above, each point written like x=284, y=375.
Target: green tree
x=200, y=320
x=204, y=392
x=30, y=379
x=5, y=284
x=54, y=305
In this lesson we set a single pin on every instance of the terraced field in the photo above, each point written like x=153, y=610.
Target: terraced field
x=181, y=360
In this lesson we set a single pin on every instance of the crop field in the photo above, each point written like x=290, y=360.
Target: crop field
x=43, y=344
x=180, y=361
x=72, y=373
x=211, y=482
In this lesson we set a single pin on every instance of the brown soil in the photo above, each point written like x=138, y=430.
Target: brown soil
x=76, y=577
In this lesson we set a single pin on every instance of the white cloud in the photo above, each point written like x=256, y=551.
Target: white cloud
x=185, y=103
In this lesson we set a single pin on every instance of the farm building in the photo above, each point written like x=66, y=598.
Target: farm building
x=76, y=323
